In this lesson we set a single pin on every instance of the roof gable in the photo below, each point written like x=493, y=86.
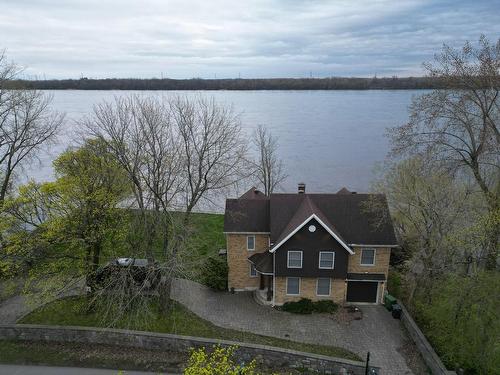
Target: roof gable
x=287, y=236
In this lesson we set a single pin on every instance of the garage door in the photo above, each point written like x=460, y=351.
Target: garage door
x=362, y=291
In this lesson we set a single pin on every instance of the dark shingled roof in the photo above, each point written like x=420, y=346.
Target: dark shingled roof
x=346, y=214
x=263, y=262
x=343, y=191
x=246, y=215
x=253, y=193
x=366, y=276
x=305, y=210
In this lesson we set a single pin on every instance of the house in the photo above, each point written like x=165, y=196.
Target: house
x=317, y=246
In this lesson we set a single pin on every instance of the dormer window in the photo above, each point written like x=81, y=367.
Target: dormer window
x=294, y=259
x=250, y=243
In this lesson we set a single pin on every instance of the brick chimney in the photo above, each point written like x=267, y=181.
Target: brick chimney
x=302, y=188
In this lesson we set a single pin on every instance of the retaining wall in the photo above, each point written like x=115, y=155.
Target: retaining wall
x=429, y=356
x=269, y=356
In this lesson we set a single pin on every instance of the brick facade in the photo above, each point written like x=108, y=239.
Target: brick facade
x=239, y=271
x=382, y=257
x=308, y=290
x=237, y=259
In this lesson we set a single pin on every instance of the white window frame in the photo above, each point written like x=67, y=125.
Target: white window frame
x=329, y=287
x=252, y=267
x=252, y=249
x=288, y=258
x=286, y=290
x=361, y=257
x=333, y=260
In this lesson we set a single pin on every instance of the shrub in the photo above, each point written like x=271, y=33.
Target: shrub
x=214, y=273
x=219, y=362
x=325, y=306
x=306, y=306
x=394, y=283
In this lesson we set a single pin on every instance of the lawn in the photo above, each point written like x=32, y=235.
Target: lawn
x=89, y=355
x=71, y=311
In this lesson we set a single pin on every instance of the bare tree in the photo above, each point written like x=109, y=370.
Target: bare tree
x=460, y=124
x=177, y=152
x=269, y=169
x=26, y=125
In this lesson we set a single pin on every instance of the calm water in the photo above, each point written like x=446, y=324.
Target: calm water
x=328, y=139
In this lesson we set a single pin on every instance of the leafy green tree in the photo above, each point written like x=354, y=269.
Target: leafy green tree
x=461, y=320
x=220, y=361
x=63, y=226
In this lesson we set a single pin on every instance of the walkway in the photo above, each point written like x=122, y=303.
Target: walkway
x=377, y=332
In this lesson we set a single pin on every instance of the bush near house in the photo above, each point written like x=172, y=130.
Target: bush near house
x=306, y=306
x=214, y=273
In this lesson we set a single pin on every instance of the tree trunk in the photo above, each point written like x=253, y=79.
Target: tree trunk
x=164, y=290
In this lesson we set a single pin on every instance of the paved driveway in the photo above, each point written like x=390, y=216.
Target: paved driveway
x=377, y=332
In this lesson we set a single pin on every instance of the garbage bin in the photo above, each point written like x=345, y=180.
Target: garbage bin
x=396, y=311
x=389, y=301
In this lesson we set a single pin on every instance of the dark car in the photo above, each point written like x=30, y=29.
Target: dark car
x=126, y=272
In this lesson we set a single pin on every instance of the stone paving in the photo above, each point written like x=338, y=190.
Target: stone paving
x=377, y=332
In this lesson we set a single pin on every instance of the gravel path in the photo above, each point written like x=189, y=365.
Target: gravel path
x=377, y=332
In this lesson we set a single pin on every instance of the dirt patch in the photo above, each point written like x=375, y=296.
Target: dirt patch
x=347, y=314
x=413, y=358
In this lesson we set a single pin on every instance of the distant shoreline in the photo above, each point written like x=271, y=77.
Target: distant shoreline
x=334, y=83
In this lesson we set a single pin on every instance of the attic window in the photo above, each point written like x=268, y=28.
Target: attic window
x=312, y=228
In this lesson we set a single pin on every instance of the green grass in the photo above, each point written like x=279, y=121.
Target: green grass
x=208, y=236
x=71, y=311
x=89, y=355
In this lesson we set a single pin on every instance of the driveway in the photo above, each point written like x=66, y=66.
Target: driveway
x=377, y=332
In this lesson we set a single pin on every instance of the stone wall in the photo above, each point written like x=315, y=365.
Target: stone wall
x=237, y=260
x=429, y=356
x=308, y=290
x=269, y=356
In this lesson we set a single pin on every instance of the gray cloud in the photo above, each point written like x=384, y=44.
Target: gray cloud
x=260, y=38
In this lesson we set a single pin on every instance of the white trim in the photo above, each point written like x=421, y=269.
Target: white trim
x=333, y=261
x=361, y=258
x=288, y=258
x=313, y=216
x=286, y=286
x=248, y=249
x=274, y=279
x=329, y=287
x=246, y=232
x=361, y=245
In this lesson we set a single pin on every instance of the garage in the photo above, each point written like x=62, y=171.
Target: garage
x=364, y=287
x=362, y=291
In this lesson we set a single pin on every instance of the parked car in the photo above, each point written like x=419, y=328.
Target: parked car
x=131, y=271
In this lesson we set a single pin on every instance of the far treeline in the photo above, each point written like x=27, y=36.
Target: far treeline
x=333, y=83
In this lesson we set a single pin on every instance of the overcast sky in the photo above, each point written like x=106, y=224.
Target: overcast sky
x=227, y=38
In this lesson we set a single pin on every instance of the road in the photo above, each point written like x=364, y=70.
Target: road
x=47, y=370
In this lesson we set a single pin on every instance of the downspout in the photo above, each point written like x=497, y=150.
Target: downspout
x=274, y=278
